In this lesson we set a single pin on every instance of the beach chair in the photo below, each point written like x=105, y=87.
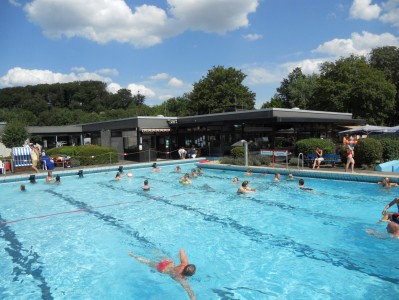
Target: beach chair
x=21, y=157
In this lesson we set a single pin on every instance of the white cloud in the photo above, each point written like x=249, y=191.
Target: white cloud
x=160, y=76
x=260, y=75
x=165, y=97
x=14, y=2
x=391, y=13
x=252, y=37
x=106, y=71
x=175, y=82
x=308, y=66
x=113, y=88
x=140, y=88
x=358, y=44
x=363, y=9
x=103, y=21
x=21, y=77
x=78, y=69
x=212, y=16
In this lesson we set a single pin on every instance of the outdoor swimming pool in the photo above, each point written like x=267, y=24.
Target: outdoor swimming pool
x=70, y=241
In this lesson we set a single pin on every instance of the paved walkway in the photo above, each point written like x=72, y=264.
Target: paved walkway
x=338, y=170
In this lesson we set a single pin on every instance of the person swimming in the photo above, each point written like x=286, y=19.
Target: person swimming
x=146, y=186
x=301, y=185
x=244, y=188
x=155, y=167
x=177, y=272
x=118, y=176
x=185, y=179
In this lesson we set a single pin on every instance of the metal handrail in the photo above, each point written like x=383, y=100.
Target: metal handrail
x=300, y=158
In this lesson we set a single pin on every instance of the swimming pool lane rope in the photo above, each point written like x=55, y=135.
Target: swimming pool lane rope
x=70, y=212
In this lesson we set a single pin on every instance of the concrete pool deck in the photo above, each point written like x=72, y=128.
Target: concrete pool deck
x=325, y=172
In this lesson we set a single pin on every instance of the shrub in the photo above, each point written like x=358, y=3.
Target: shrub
x=307, y=146
x=226, y=160
x=368, y=151
x=293, y=161
x=237, y=152
x=87, y=155
x=390, y=149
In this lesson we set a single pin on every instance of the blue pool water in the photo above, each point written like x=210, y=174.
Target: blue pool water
x=70, y=241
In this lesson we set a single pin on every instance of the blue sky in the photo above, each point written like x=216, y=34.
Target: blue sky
x=160, y=48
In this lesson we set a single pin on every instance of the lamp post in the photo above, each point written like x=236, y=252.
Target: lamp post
x=245, y=143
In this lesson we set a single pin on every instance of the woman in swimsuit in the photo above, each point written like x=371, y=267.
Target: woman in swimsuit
x=167, y=266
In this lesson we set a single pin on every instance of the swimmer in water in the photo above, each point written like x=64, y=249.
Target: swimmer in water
x=244, y=188
x=386, y=183
x=194, y=173
x=155, y=167
x=235, y=179
x=249, y=172
x=301, y=185
x=177, y=272
x=146, y=186
x=118, y=176
x=200, y=171
x=178, y=169
x=49, y=177
x=276, y=177
x=185, y=179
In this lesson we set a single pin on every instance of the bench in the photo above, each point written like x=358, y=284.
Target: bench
x=328, y=159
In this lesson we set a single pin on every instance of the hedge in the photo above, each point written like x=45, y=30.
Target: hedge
x=308, y=146
x=86, y=155
x=390, y=149
x=367, y=152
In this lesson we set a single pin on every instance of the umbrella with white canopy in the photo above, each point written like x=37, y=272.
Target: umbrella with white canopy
x=365, y=129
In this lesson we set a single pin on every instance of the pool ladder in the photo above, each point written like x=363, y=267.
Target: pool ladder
x=300, y=159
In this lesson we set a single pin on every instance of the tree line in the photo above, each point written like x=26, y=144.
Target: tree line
x=367, y=87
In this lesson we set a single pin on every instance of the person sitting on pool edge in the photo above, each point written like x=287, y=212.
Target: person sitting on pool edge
x=146, y=186
x=167, y=266
x=301, y=185
x=244, y=188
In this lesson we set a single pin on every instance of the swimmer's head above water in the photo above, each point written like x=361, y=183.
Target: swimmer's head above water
x=189, y=270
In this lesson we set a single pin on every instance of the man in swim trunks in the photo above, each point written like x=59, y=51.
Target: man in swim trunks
x=178, y=272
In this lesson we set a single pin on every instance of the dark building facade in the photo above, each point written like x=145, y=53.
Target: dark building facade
x=149, y=138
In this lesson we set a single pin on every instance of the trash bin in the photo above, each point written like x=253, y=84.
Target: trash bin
x=7, y=166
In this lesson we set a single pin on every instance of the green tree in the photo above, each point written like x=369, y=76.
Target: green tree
x=274, y=102
x=138, y=99
x=221, y=90
x=386, y=59
x=284, y=91
x=15, y=134
x=351, y=85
